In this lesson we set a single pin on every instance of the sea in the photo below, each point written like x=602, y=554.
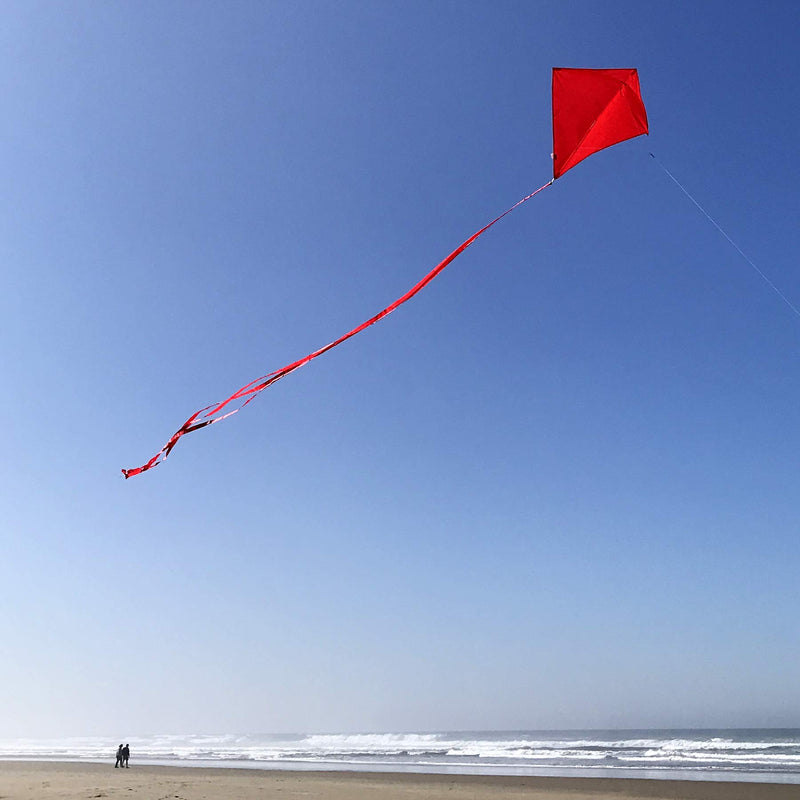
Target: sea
x=765, y=755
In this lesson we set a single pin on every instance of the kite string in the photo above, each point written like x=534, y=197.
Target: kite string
x=210, y=414
x=736, y=246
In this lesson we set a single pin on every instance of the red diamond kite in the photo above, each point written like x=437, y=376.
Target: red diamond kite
x=592, y=109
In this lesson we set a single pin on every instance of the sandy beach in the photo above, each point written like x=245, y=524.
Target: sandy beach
x=69, y=781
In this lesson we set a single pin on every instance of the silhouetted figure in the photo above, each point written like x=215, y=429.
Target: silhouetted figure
x=126, y=754
x=119, y=757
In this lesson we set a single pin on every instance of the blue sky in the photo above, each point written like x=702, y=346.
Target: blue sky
x=557, y=489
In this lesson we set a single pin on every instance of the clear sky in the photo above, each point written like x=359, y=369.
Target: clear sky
x=559, y=488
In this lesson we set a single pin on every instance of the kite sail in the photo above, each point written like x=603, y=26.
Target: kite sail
x=592, y=109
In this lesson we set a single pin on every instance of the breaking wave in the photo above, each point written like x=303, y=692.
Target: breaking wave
x=772, y=754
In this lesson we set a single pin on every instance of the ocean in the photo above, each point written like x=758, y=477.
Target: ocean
x=769, y=755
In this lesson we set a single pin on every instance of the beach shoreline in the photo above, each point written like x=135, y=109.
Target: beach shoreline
x=506, y=771
x=39, y=780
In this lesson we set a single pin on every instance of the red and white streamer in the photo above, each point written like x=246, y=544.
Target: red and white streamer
x=217, y=412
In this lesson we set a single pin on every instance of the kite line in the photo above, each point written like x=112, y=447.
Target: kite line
x=213, y=413
x=736, y=246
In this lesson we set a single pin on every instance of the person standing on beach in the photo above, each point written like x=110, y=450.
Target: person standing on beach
x=119, y=757
x=126, y=754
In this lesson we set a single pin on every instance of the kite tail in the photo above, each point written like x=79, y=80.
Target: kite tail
x=213, y=413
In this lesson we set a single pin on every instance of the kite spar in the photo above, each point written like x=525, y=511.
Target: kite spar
x=592, y=109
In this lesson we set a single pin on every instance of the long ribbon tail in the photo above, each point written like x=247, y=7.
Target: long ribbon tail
x=214, y=413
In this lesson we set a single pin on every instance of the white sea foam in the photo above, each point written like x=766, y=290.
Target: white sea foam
x=772, y=754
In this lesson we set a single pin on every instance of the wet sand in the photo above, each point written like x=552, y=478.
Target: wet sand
x=41, y=780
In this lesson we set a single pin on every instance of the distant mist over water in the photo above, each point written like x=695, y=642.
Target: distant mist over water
x=771, y=755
